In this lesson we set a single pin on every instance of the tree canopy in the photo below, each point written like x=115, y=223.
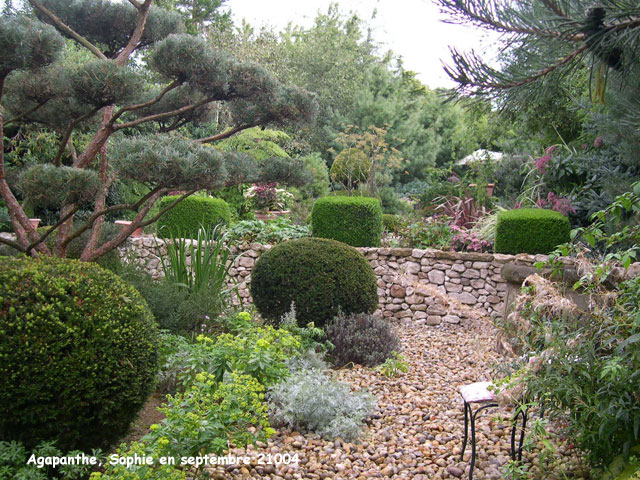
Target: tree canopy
x=119, y=111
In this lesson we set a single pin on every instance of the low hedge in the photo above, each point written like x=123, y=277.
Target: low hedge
x=356, y=221
x=530, y=230
x=319, y=276
x=78, y=353
x=190, y=214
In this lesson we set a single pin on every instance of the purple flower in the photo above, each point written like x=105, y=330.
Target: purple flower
x=598, y=142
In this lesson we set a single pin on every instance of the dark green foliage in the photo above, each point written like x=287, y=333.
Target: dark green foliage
x=174, y=307
x=110, y=24
x=234, y=196
x=390, y=222
x=530, y=230
x=191, y=214
x=78, y=354
x=48, y=186
x=104, y=82
x=37, y=44
x=169, y=161
x=356, y=221
x=361, y=338
x=318, y=275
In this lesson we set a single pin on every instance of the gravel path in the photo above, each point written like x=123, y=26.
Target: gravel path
x=417, y=430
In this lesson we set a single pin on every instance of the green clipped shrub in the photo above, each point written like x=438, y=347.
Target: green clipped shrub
x=318, y=275
x=191, y=213
x=78, y=353
x=390, y=222
x=361, y=338
x=530, y=230
x=356, y=221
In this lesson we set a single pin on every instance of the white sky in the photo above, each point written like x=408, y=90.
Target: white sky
x=411, y=28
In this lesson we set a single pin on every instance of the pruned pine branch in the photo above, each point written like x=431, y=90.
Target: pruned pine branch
x=68, y=30
x=533, y=29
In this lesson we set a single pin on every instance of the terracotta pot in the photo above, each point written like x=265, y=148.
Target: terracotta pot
x=35, y=222
x=125, y=223
x=490, y=187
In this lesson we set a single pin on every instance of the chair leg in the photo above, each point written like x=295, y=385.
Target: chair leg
x=466, y=429
x=513, y=434
x=524, y=425
x=473, y=436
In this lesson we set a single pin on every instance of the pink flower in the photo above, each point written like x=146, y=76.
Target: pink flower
x=541, y=163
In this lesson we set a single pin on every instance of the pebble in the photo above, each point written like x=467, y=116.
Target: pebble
x=417, y=430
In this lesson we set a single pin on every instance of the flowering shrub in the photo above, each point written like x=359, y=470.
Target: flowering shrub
x=468, y=241
x=266, y=196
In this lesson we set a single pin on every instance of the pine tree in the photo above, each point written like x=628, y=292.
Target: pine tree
x=544, y=42
x=146, y=79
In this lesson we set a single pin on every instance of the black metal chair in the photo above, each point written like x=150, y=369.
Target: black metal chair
x=479, y=393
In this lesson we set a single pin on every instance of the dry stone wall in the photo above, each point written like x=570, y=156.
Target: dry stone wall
x=424, y=286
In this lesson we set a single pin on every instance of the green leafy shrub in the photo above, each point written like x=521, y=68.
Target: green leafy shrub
x=14, y=457
x=390, y=222
x=257, y=351
x=78, y=354
x=192, y=213
x=530, y=230
x=311, y=400
x=361, y=338
x=318, y=275
x=356, y=221
x=432, y=232
x=274, y=231
x=207, y=416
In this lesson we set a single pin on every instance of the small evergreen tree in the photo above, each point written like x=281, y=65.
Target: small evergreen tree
x=146, y=80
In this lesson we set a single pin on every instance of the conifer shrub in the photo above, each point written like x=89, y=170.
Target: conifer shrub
x=78, y=353
x=361, y=338
x=319, y=276
x=356, y=221
x=530, y=230
x=191, y=214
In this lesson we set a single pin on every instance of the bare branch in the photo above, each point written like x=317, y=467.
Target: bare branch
x=68, y=30
x=28, y=112
x=139, y=106
x=226, y=134
x=67, y=134
x=143, y=13
x=166, y=209
x=551, y=5
x=159, y=116
x=114, y=208
x=13, y=244
x=50, y=231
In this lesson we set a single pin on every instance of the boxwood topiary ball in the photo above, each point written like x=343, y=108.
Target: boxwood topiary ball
x=78, y=353
x=319, y=275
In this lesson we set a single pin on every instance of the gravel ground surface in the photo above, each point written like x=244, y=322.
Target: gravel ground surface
x=416, y=432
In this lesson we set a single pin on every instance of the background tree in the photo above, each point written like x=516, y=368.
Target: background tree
x=127, y=105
